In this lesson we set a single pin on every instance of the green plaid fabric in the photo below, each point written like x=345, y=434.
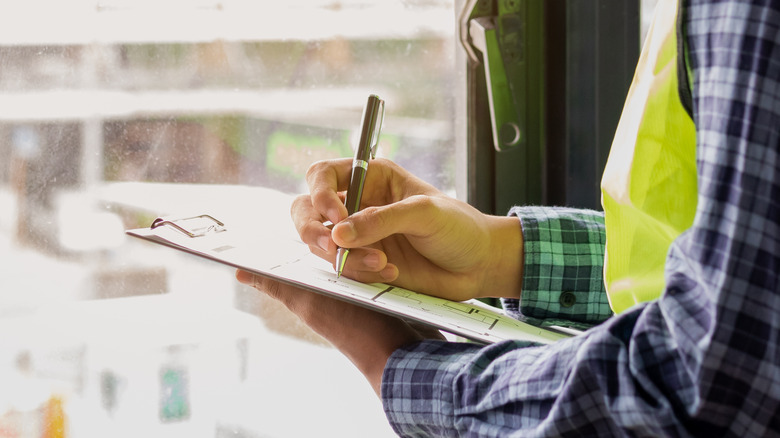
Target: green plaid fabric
x=563, y=271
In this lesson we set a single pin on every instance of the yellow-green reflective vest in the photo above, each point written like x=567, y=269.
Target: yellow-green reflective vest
x=649, y=183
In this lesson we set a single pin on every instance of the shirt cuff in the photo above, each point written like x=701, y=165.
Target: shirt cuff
x=563, y=267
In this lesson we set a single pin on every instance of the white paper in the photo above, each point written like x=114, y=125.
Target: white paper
x=290, y=261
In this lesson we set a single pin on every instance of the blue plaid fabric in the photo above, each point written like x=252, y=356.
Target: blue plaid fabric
x=702, y=360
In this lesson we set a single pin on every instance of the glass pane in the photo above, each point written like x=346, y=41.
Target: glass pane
x=115, y=112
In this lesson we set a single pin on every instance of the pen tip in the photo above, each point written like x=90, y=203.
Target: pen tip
x=341, y=259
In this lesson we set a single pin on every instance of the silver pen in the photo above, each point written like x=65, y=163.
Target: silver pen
x=373, y=114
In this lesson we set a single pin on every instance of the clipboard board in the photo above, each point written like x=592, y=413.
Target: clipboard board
x=289, y=261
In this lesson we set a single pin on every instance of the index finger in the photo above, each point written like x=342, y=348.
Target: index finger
x=325, y=180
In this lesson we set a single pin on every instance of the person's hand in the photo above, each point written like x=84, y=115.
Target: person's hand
x=365, y=337
x=409, y=234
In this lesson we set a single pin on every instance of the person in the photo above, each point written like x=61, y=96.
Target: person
x=702, y=359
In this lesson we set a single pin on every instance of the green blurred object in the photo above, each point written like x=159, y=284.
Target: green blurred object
x=174, y=395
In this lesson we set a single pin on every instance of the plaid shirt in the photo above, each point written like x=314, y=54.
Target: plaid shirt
x=563, y=281
x=704, y=359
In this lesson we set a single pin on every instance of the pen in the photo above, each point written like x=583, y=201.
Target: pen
x=373, y=113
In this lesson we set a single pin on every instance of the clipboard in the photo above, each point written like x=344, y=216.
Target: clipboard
x=290, y=261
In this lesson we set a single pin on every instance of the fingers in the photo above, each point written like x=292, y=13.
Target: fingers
x=308, y=223
x=325, y=180
x=363, y=264
x=365, y=337
x=369, y=265
x=272, y=288
x=398, y=203
x=386, y=183
x=314, y=309
x=311, y=308
x=415, y=216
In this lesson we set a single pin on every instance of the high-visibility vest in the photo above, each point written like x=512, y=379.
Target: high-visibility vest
x=649, y=188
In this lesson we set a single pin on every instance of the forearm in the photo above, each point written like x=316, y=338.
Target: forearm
x=369, y=341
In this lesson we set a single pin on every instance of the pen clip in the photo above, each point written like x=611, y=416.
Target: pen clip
x=380, y=114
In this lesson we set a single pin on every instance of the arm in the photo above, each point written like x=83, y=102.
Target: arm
x=438, y=229
x=438, y=389
x=703, y=358
x=411, y=235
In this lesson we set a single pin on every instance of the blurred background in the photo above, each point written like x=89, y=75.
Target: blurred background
x=114, y=112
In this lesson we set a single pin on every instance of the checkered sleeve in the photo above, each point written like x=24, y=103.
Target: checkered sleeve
x=563, y=268
x=437, y=389
x=703, y=359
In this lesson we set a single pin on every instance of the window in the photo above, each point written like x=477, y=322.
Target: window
x=116, y=111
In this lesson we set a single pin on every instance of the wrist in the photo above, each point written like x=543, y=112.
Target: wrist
x=504, y=273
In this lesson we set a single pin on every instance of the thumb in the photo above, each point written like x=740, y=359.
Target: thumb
x=414, y=216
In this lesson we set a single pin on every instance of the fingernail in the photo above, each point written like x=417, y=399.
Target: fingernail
x=324, y=243
x=350, y=233
x=389, y=273
x=333, y=215
x=242, y=277
x=371, y=260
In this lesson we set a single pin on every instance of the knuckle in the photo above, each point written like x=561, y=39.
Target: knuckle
x=424, y=203
x=374, y=218
x=384, y=162
x=299, y=202
x=316, y=168
x=321, y=199
x=308, y=233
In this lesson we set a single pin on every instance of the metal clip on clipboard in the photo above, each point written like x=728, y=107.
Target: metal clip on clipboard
x=195, y=226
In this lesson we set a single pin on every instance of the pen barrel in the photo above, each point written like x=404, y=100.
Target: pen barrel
x=355, y=191
x=373, y=113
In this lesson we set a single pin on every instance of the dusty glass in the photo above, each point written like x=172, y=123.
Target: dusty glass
x=114, y=112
